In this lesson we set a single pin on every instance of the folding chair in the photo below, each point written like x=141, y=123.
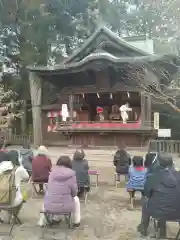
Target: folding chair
x=132, y=195
x=156, y=229
x=96, y=174
x=85, y=194
x=117, y=180
x=13, y=210
x=49, y=218
x=34, y=186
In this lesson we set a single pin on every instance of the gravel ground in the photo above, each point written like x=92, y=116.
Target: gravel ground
x=106, y=215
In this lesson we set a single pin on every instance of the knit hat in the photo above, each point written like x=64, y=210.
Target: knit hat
x=43, y=150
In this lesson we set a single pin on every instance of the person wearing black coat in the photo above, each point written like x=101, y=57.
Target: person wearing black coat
x=150, y=160
x=122, y=161
x=162, y=192
x=81, y=167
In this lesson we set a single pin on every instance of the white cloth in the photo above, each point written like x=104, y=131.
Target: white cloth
x=124, y=115
x=76, y=214
x=20, y=175
x=64, y=112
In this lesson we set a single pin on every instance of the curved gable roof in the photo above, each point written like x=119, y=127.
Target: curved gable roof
x=111, y=35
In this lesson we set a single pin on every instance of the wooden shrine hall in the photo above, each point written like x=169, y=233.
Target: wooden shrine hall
x=104, y=95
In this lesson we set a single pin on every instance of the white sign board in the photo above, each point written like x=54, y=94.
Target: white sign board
x=156, y=120
x=164, y=133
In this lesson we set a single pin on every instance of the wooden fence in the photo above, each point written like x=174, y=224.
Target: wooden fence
x=14, y=139
x=168, y=146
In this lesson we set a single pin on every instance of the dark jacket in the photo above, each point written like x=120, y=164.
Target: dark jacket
x=122, y=161
x=162, y=188
x=41, y=167
x=150, y=159
x=155, y=166
x=81, y=168
x=3, y=156
x=26, y=155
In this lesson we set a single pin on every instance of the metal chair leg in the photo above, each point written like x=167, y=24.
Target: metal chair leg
x=156, y=229
x=30, y=180
x=97, y=181
x=178, y=234
x=12, y=226
x=85, y=197
x=35, y=191
x=69, y=221
x=131, y=200
x=48, y=220
x=14, y=220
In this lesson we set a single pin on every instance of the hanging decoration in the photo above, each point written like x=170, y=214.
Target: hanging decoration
x=83, y=95
x=111, y=96
x=128, y=94
x=98, y=95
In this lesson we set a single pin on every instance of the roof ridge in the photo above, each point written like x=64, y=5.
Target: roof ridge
x=111, y=34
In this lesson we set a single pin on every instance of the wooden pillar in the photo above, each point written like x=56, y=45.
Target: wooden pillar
x=36, y=97
x=71, y=99
x=142, y=108
x=149, y=108
x=145, y=109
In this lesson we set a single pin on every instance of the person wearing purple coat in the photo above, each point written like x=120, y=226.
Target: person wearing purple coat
x=61, y=194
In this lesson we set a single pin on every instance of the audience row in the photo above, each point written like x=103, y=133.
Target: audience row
x=155, y=177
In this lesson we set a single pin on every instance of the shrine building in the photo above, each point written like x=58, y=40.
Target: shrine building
x=94, y=83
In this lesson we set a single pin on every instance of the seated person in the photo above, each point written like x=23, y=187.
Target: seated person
x=20, y=175
x=162, y=192
x=151, y=162
x=137, y=175
x=26, y=156
x=122, y=161
x=41, y=167
x=150, y=158
x=61, y=193
x=3, y=156
x=81, y=167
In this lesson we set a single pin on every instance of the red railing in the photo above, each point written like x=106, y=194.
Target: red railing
x=94, y=125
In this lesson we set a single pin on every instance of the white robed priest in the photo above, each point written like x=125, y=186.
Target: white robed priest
x=124, y=109
x=64, y=112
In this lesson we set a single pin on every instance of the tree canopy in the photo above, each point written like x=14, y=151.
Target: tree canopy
x=46, y=31
x=32, y=32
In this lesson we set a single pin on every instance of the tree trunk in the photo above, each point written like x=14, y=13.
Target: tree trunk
x=36, y=95
x=24, y=118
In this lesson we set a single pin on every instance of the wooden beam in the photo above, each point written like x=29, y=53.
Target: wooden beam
x=71, y=99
